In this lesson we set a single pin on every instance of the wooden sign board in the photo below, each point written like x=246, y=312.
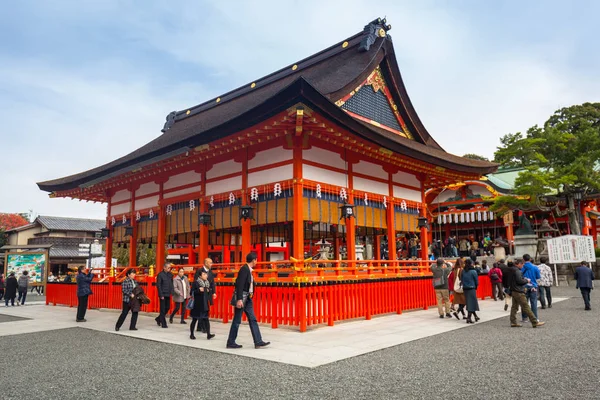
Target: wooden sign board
x=36, y=265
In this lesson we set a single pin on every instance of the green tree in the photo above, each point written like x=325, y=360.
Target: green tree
x=473, y=156
x=560, y=158
x=3, y=237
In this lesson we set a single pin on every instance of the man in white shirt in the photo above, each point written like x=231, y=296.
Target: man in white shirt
x=545, y=283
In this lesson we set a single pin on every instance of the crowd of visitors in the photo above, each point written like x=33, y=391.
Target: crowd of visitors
x=519, y=283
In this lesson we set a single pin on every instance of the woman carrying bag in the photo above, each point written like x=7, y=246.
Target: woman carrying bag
x=470, y=282
x=455, y=282
x=199, y=310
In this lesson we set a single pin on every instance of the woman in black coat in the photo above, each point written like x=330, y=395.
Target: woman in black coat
x=201, y=292
x=11, y=289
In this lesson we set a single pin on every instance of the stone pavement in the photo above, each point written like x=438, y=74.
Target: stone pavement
x=319, y=346
x=488, y=360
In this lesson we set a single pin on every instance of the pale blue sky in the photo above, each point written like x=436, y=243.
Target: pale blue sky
x=85, y=82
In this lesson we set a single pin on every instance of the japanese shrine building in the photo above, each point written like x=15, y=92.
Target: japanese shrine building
x=290, y=149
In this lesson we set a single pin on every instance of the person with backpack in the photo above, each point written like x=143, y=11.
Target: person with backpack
x=495, y=275
x=455, y=280
x=23, y=284
x=440, y=273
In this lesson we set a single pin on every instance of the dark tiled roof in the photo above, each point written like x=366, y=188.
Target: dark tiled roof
x=333, y=73
x=71, y=224
x=64, y=252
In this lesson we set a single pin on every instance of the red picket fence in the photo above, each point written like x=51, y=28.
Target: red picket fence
x=281, y=303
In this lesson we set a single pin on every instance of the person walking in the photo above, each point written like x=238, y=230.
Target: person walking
x=199, y=313
x=181, y=292
x=164, y=286
x=504, y=267
x=128, y=286
x=207, y=267
x=11, y=289
x=585, y=283
x=440, y=273
x=455, y=281
x=516, y=284
x=1, y=286
x=242, y=301
x=470, y=282
x=84, y=279
x=23, y=284
x=532, y=273
x=495, y=275
x=545, y=283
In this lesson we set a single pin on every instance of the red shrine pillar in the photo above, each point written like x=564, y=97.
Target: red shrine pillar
x=109, y=240
x=350, y=222
x=133, y=237
x=203, y=229
x=246, y=223
x=391, y=226
x=203, y=236
x=424, y=234
x=298, y=224
x=160, y=240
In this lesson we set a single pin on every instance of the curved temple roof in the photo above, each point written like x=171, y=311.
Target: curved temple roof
x=320, y=80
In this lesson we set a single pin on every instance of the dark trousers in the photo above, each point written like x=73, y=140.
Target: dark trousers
x=22, y=295
x=201, y=322
x=545, y=290
x=237, y=320
x=12, y=301
x=1, y=293
x=165, y=304
x=82, y=306
x=497, y=290
x=134, y=316
x=585, y=293
x=177, y=307
x=201, y=327
x=519, y=299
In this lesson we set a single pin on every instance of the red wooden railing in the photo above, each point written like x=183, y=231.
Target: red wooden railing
x=302, y=295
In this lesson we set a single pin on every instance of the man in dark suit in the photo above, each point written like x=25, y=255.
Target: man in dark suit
x=164, y=286
x=243, y=293
x=585, y=283
x=212, y=290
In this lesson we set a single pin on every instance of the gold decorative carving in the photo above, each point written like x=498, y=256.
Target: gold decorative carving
x=344, y=45
x=295, y=67
x=253, y=85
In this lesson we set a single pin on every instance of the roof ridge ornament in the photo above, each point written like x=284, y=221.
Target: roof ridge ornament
x=170, y=120
x=374, y=29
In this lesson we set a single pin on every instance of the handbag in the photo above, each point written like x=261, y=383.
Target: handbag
x=458, y=285
x=190, y=303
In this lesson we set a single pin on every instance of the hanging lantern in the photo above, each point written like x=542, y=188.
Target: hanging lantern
x=246, y=212
x=456, y=217
x=473, y=216
x=104, y=233
x=478, y=215
x=128, y=231
x=462, y=218
x=422, y=223
x=444, y=218
x=347, y=211
x=204, y=219
x=485, y=215
x=491, y=215
x=439, y=219
x=468, y=217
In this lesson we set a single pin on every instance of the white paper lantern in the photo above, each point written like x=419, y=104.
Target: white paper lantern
x=444, y=218
x=485, y=215
x=462, y=218
x=478, y=215
x=468, y=217
x=491, y=216
x=439, y=219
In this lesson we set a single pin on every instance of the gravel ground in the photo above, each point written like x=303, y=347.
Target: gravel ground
x=487, y=361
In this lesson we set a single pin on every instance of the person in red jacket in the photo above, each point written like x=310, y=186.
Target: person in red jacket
x=495, y=275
